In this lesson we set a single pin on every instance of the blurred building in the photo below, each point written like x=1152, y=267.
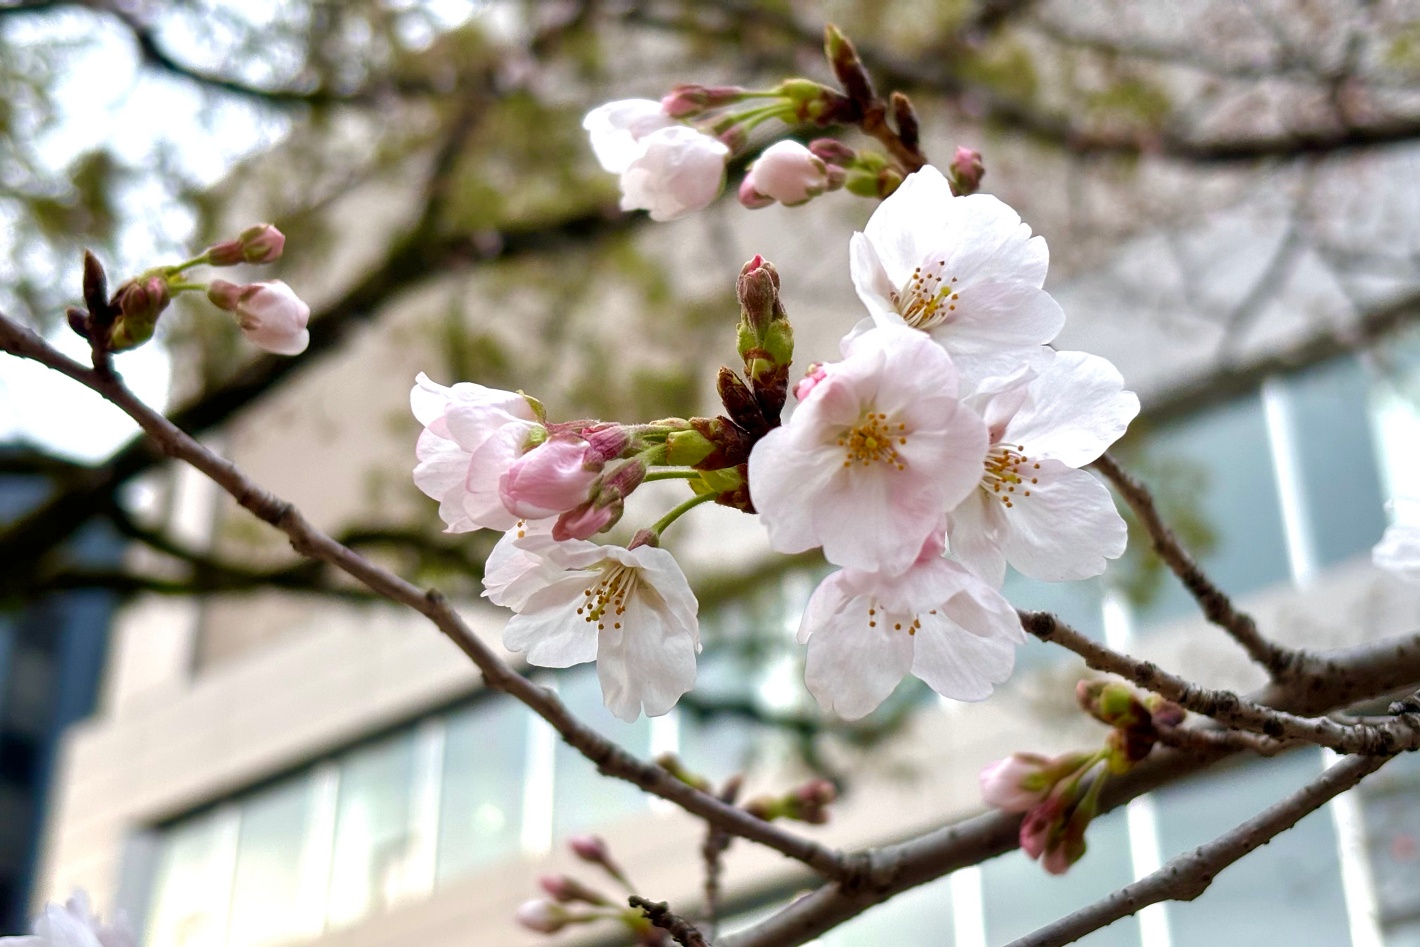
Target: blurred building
x=52, y=653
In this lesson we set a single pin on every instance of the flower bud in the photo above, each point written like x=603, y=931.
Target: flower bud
x=812, y=377
x=1023, y=780
x=786, y=172
x=589, y=848
x=565, y=889
x=966, y=172
x=686, y=101
x=833, y=152
x=606, y=442
x=687, y=448
x=1112, y=703
x=751, y=198
x=672, y=764
x=140, y=302
x=269, y=313
x=757, y=288
x=541, y=915
x=552, y=478
x=259, y=244
x=846, y=65
x=585, y=521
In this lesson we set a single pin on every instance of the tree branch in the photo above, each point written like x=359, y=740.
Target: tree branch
x=659, y=913
x=1189, y=875
x=1401, y=733
x=309, y=541
x=1217, y=607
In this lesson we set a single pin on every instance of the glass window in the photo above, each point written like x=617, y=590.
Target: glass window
x=1287, y=892
x=1080, y=604
x=921, y=917
x=1020, y=897
x=1226, y=448
x=194, y=881
x=1339, y=476
x=1391, y=803
x=481, y=803
x=274, y=852
x=374, y=833
x=582, y=798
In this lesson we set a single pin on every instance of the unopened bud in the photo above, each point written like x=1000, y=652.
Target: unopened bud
x=751, y=198
x=224, y=295
x=740, y=403
x=1112, y=703
x=139, y=302
x=78, y=321
x=687, y=448
x=258, y=244
x=758, y=290
x=96, y=291
x=565, y=889
x=541, y=915
x=833, y=152
x=672, y=764
x=686, y=101
x=966, y=172
x=585, y=521
x=904, y=116
x=589, y=848
x=606, y=442
x=846, y=65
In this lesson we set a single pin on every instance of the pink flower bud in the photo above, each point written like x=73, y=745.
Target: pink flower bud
x=833, y=152
x=549, y=479
x=589, y=848
x=751, y=198
x=269, y=313
x=806, y=384
x=685, y=101
x=787, y=172
x=966, y=172
x=262, y=243
x=565, y=889
x=541, y=915
x=585, y=521
x=606, y=442
x=1014, y=784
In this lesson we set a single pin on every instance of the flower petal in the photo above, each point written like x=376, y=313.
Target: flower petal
x=549, y=630
x=851, y=666
x=1066, y=529
x=1075, y=408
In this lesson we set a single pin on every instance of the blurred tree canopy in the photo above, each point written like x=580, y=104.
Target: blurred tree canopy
x=1106, y=122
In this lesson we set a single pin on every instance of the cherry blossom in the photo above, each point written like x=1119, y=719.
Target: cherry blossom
x=964, y=269
x=617, y=128
x=677, y=171
x=937, y=621
x=1399, y=549
x=878, y=448
x=472, y=436
x=73, y=925
x=269, y=313
x=549, y=479
x=786, y=172
x=630, y=610
x=1033, y=507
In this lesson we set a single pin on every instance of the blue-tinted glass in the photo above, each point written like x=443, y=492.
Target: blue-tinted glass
x=921, y=917
x=583, y=799
x=1228, y=448
x=1287, y=892
x=481, y=803
x=1340, y=482
x=374, y=838
x=1078, y=603
x=1391, y=803
x=1021, y=897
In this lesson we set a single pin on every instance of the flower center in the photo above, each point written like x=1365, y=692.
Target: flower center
x=873, y=440
x=928, y=298
x=608, y=597
x=1007, y=468
x=899, y=622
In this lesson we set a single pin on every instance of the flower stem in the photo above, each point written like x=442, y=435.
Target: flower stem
x=187, y=287
x=185, y=265
x=660, y=525
x=672, y=475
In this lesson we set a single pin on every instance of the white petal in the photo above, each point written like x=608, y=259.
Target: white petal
x=993, y=243
x=616, y=127
x=518, y=566
x=958, y=664
x=975, y=529
x=852, y=666
x=992, y=316
x=1399, y=551
x=647, y=663
x=1075, y=408
x=911, y=223
x=549, y=629
x=871, y=281
x=780, y=477
x=1066, y=528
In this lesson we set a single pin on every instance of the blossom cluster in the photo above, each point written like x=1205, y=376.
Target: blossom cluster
x=949, y=424
x=948, y=442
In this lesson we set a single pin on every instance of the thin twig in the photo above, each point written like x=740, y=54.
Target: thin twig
x=659, y=913
x=1189, y=875
x=1400, y=733
x=1216, y=605
x=712, y=851
x=309, y=541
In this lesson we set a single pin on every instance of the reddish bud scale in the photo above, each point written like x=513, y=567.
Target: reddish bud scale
x=731, y=444
x=740, y=404
x=738, y=498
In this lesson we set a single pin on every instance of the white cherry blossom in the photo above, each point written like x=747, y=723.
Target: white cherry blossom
x=677, y=171
x=964, y=269
x=1399, y=549
x=472, y=435
x=877, y=449
x=937, y=621
x=616, y=129
x=630, y=610
x=1033, y=507
x=73, y=925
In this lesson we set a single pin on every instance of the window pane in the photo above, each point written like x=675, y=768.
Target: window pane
x=269, y=903
x=481, y=803
x=1340, y=481
x=1391, y=803
x=189, y=907
x=1287, y=892
x=583, y=799
x=374, y=837
x=1021, y=897
x=1081, y=604
x=921, y=917
x=1227, y=449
